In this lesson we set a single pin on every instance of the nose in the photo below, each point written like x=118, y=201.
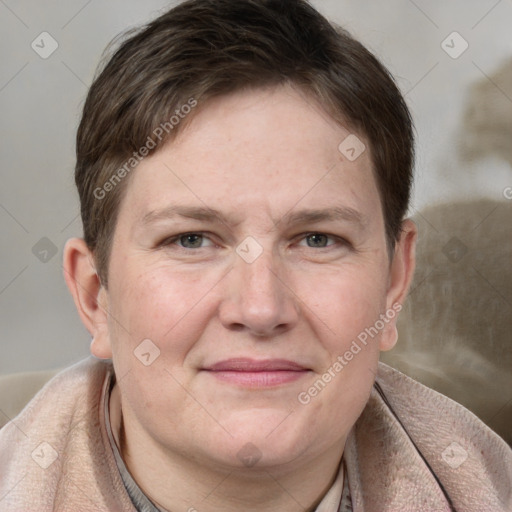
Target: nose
x=259, y=299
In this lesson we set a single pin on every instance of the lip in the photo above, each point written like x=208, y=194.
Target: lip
x=257, y=373
x=245, y=364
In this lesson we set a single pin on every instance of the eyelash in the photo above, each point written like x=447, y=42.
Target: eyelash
x=337, y=240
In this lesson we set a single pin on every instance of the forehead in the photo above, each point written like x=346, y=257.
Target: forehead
x=258, y=151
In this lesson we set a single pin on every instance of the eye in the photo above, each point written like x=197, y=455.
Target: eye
x=189, y=241
x=319, y=240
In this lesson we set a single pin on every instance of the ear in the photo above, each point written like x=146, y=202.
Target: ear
x=91, y=298
x=400, y=277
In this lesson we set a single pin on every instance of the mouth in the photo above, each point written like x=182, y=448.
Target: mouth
x=257, y=373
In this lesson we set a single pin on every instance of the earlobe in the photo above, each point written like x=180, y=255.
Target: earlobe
x=401, y=274
x=389, y=337
x=88, y=294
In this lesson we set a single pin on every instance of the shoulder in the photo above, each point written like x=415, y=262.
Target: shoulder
x=67, y=394
x=471, y=463
x=60, y=423
x=425, y=410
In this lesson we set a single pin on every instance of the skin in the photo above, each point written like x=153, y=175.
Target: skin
x=255, y=156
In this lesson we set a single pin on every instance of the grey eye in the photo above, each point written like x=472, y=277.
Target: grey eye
x=191, y=241
x=317, y=240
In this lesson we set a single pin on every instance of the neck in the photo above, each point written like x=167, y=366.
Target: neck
x=176, y=482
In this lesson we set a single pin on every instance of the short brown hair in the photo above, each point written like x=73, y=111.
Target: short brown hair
x=203, y=49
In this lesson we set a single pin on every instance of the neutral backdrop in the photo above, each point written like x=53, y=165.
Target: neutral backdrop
x=461, y=108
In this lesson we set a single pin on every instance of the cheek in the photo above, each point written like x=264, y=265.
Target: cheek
x=349, y=301
x=171, y=310
x=168, y=308
x=343, y=313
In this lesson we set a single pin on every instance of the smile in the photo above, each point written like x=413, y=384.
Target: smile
x=257, y=374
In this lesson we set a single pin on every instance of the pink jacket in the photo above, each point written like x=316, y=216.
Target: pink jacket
x=411, y=450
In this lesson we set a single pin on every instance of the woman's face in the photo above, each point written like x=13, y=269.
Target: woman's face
x=248, y=262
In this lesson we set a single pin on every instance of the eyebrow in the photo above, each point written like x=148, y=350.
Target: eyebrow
x=305, y=216
x=190, y=212
x=337, y=213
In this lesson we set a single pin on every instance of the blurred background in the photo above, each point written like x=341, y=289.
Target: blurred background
x=453, y=62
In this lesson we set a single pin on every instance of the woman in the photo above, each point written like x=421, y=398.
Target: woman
x=244, y=170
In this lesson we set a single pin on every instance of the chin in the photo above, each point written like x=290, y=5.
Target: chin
x=264, y=439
